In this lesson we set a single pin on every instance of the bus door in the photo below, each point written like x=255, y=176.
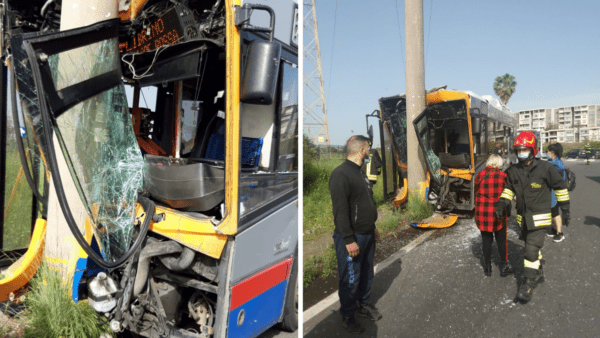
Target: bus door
x=393, y=141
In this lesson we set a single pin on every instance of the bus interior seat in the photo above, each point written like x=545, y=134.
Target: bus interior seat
x=458, y=161
x=251, y=148
x=461, y=148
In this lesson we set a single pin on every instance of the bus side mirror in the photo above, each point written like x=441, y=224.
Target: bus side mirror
x=475, y=121
x=259, y=81
x=476, y=125
x=370, y=133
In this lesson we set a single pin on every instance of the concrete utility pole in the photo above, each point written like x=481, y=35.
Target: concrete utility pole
x=415, y=88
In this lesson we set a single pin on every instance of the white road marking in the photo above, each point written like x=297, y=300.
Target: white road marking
x=334, y=297
x=578, y=160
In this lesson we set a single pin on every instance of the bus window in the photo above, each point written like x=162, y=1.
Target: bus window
x=273, y=181
x=480, y=142
x=288, y=142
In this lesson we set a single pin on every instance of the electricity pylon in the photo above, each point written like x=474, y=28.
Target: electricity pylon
x=315, y=110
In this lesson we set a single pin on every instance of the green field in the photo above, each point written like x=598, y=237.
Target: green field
x=318, y=213
x=17, y=204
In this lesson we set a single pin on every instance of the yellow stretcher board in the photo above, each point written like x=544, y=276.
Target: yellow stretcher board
x=19, y=273
x=436, y=221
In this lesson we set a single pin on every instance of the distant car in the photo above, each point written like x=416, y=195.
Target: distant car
x=595, y=153
x=576, y=153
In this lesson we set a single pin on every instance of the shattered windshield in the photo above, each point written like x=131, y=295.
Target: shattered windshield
x=97, y=138
x=398, y=126
x=425, y=141
x=98, y=144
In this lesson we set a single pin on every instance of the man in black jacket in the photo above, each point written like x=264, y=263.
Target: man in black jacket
x=531, y=182
x=354, y=215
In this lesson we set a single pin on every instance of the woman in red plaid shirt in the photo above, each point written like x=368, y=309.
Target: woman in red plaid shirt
x=489, y=184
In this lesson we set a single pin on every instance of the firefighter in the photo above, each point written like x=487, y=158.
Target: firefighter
x=531, y=181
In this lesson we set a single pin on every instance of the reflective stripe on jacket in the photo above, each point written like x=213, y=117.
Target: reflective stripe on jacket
x=531, y=186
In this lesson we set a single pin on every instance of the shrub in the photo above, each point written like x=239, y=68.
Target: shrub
x=417, y=208
x=53, y=314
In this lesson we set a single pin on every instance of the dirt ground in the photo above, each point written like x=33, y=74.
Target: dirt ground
x=10, y=327
x=319, y=245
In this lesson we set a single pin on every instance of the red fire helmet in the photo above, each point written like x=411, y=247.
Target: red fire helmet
x=525, y=139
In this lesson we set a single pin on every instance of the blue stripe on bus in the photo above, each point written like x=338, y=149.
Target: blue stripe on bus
x=260, y=313
x=79, y=269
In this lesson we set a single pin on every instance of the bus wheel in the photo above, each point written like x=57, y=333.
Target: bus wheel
x=290, y=310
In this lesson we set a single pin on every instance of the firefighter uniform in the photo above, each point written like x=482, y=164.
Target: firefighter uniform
x=532, y=187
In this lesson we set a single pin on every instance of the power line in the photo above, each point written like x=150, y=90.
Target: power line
x=332, y=49
x=400, y=35
x=428, y=33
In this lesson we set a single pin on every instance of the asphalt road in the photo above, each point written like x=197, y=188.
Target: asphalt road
x=275, y=332
x=438, y=289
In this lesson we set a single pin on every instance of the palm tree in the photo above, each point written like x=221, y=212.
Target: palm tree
x=504, y=87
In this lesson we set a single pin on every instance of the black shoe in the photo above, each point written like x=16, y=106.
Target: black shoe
x=506, y=269
x=559, y=237
x=551, y=233
x=351, y=325
x=526, y=289
x=487, y=268
x=369, y=311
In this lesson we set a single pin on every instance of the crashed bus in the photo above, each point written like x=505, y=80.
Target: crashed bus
x=178, y=218
x=457, y=132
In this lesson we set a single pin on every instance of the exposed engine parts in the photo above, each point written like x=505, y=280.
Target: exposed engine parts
x=453, y=191
x=102, y=290
x=164, y=292
x=201, y=308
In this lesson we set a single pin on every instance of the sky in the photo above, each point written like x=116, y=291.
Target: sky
x=551, y=47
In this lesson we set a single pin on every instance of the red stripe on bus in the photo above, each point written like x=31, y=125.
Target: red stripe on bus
x=259, y=283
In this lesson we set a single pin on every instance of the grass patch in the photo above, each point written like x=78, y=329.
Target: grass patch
x=53, y=314
x=318, y=211
x=417, y=208
x=390, y=222
x=320, y=265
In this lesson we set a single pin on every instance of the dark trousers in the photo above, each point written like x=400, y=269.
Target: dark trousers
x=486, y=241
x=534, y=242
x=356, y=273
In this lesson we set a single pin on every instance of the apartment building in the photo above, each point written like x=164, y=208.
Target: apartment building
x=562, y=124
